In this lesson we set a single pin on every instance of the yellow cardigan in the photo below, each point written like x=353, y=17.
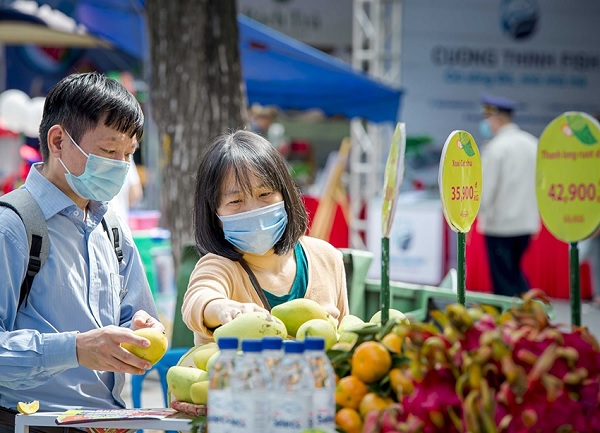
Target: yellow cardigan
x=216, y=277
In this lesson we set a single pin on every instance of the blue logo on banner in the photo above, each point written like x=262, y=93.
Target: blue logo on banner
x=519, y=18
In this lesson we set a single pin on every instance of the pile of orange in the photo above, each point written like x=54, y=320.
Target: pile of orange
x=371, y=362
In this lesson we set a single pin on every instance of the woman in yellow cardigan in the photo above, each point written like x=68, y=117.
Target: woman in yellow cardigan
x=249, y=223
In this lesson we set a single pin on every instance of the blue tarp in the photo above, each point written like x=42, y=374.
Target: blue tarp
x=277, y=69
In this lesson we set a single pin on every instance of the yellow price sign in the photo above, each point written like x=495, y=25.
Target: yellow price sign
x=568, y=176
x=460, y=180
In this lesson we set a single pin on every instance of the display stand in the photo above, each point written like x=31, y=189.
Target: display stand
x=394, y=173
x=177, y=422
x=460, y=190
x=568, y=187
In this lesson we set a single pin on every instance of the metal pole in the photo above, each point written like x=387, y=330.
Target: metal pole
x=574, y=283
x=461, y=274
x=385, y=280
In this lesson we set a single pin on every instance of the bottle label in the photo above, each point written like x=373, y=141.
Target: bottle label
x=323, y=410
x=290, y=412
x=219, y=416
x=249, y=411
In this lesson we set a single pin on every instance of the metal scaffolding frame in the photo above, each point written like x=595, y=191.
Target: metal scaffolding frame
x=376, y=49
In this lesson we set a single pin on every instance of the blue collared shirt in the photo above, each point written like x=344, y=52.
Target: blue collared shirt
x=80, y=287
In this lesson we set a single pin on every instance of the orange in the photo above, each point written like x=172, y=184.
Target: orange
x=349, y=420
x=393, y=342
x=349, y=391
x=370, y=361
x=401, y=383
x=372, y=401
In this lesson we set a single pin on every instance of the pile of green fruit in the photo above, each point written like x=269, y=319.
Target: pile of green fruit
x=188, y=381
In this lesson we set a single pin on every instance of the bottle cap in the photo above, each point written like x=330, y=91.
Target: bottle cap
x=291, y=346
x=314, y=343
x=251, y=346
x=225, y=343
x=272, y=343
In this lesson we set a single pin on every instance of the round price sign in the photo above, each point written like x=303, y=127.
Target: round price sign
x=460, y=180
x=568, y=176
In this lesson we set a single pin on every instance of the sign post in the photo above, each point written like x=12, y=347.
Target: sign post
x=568, y=187
x=460, y=189
x=394, y=173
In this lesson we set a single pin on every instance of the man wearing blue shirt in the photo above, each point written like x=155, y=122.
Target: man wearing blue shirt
x=62, y=346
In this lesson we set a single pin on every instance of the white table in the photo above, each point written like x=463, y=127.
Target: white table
x=178, y=422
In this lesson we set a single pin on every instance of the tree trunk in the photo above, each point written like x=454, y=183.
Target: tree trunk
x=195, y=93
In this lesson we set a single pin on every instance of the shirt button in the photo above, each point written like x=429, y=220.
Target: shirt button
x=76, y=213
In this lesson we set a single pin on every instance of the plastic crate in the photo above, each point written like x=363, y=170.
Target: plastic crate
x=146, y=241
x=419, y=300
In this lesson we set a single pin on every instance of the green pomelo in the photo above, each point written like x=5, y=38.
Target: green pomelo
x=396, y=315
x=251, y=325
x=349, y=321
x=297, y=311
x=318, y=328
x=348, y=337
x=158, y=345
x=332, y=320
x=199, y=392
x=180, y=380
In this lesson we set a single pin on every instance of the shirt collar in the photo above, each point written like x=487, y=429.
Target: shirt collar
x=52, y=200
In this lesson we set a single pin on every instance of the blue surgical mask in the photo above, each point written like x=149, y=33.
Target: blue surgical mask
x=485, y=129
x=255, y=231
x=102, y=178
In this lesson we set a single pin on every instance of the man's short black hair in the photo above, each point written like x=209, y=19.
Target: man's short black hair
x=80, y=102
x=243, y=153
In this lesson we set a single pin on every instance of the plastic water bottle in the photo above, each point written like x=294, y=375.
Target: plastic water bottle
x=251, y=385
x=220, y=397
x=291, y=399
x=272, y=353
x=323, y=407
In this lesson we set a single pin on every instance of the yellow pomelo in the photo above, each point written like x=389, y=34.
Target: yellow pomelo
x=187, y=359
x=158, y=345
x=210, y=362
x=256, y=324
x=180, y=380
x=297, y=311
x=203, y=353
x=199, y=392
x=28, y=408
x=318, y=328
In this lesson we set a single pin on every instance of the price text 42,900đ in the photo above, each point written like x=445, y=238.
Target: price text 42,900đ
x=574, y=192
x=463, y=193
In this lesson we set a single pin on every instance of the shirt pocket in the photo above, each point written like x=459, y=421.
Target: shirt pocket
x=117, y=282
x=117, y=293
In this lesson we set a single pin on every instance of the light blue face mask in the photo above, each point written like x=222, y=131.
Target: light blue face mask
x=485, y=130
x=255, y=231
x=102, y=178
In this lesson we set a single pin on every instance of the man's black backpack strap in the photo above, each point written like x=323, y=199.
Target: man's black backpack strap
x=24, y=205
x=111, y=225
x=36, y=227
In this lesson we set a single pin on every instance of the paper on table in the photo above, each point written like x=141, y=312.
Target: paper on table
x=75, y=416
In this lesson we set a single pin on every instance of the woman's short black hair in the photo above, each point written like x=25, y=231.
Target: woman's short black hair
x=243, y=153
x=80, y=102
